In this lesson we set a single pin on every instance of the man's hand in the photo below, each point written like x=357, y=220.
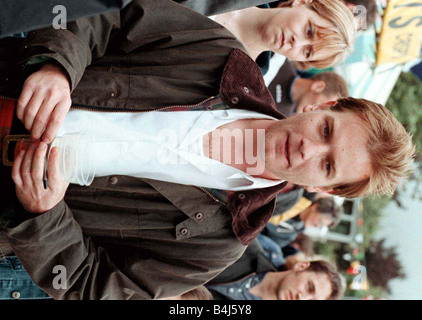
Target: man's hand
x=44, y=102
x=27, y=173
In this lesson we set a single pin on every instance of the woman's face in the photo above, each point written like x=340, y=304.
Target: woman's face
x=292, y=32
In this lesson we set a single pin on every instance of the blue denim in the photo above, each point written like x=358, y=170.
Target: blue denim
x=15, y=282
x=272, y=250
x=239, y=290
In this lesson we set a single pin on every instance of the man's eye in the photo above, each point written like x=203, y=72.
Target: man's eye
x=328, y=166
x=326, y=131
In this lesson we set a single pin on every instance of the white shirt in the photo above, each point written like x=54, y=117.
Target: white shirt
x=165, y=146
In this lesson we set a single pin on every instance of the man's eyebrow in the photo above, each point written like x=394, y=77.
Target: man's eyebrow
x=333, y=171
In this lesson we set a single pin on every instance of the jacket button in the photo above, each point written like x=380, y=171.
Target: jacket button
x=112, y=94
x=235, y=100
x=16, y=295
x=184, y=231
x=113, y=180
x=241, y=196
x=198, y=215
x=246, y=89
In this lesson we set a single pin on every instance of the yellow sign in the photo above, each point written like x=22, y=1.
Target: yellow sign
x=401, y=36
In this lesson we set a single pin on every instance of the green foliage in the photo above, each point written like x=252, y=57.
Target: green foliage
x=383, y=264
x=328, y=250
x=406, y=104
x=371, y=215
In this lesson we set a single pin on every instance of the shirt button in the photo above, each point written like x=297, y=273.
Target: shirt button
x=239, y=290
x=198, y=215
x=184, y=231
x=231, y=290
x=112, y=94
x=246, y=89
x=241, y=196
x=113, y=180
x=235, y=100
x=16, y=295
x=274, y=255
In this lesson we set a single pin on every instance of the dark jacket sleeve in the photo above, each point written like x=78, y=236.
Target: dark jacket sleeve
x=68, y=265
x=23, y=15
x=75, y=47
x=213, y=7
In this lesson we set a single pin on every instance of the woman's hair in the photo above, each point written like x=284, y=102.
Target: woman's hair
x=337, y=40
x=390, y=148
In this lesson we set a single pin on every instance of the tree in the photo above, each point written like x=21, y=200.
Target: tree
x=382, y=264
x=406, y=104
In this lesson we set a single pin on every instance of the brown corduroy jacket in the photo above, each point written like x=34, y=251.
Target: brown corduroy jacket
x=130, y=238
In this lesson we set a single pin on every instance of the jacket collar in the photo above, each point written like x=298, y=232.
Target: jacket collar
x=242, y=86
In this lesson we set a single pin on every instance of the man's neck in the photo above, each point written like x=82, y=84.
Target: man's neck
x=249, y=144
x=267, y=288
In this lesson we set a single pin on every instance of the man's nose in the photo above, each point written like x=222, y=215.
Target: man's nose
x=313, y=148
x=296, y=41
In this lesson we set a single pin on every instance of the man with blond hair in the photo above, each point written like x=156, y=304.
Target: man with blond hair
x=131, y=238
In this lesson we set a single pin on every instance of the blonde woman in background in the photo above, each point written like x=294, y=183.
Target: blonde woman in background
x=318, y=33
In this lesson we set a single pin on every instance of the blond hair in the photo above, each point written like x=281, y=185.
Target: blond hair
x=390, y=148
x=337, y=40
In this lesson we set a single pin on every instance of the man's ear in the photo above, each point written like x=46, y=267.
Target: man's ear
x=324, y=106
x=318, y=86
x=301, y=266
x=312, y=189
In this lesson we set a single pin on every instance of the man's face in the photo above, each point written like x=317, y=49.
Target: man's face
x=304, y=285
x=315, y=219
x=292, y=32
x=318, y=148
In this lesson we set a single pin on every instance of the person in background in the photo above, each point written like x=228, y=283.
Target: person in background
x=293, y=94
x=318, y=33
x=370, y=6
x=283, y=228
x=306, y=280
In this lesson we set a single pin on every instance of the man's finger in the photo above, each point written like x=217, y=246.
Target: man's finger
x=42, y=117
x=23, y=100
x=54, y=177
x=37, y=169
x=55, y=121
x=31, y=109
x=26, y=165
x=16, y=169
